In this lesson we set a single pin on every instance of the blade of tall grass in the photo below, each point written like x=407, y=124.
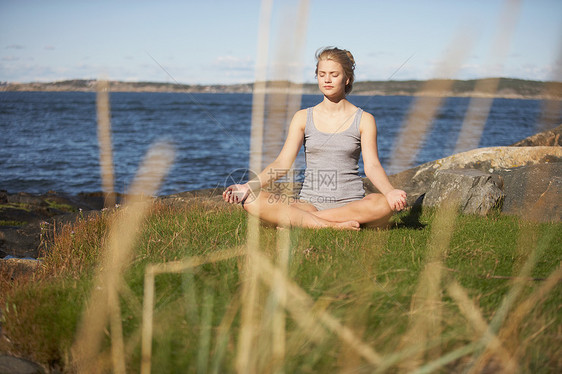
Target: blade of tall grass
x=148, y=304
x=116, y=254
x=487, y=349
x=479, y=107
x=205, y=331
x=104, y=140
x=223, y=335
x=426, y=105
x=279, y=294
x=474, y=316
x=301, y=308
x=426, y=304
x=479, y=348
x=116, y=329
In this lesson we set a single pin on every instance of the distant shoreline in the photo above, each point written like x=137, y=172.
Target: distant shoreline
x=485, y=88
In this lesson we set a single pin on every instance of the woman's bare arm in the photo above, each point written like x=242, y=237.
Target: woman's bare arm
x=373, y=169
x=278, y=168
x=284, y=161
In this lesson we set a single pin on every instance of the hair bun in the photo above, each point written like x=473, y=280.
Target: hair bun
x=351, y=59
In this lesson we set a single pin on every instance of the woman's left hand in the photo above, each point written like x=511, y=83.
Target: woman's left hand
x=236, y=193
x=396, y=199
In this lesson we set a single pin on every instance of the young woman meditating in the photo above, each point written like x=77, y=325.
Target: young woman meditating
x=334, y=133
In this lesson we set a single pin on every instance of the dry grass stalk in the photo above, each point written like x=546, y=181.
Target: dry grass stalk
x=147, y=320
x=244, y=361
x=479, y=107
x=480, y=326
x=553, y=94
x=282, y=104
x=426, y=304
x=528, y=238
x=487, y=350
x=193, y=262
x=104, y=140
x=116, y=254
x=205, y=331
x=282, y=97
x=277, y=117
x=509, y=332
x=417, y=124
x=301, y=308
x=148, y=304
x=279, y=295
x=116, y=329
x=223, y=334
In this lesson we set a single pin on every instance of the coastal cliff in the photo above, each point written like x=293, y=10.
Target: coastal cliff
x=506, y=88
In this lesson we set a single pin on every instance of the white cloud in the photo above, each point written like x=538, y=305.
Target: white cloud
x=15, y=46
x=234, y=63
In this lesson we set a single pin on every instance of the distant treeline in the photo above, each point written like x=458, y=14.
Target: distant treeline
x=489, y=87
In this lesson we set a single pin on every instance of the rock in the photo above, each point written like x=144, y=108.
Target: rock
x=549, y=207
x=417, y=181
x=546, y=138
x=14, y=365
x=20, y=241
x=23, y=198
x=474, y=191
x=22, y=214
x=533, y=189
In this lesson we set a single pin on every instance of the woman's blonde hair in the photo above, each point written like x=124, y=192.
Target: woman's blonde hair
x=341, y=56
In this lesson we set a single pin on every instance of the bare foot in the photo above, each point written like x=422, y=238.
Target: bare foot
x=348, y=225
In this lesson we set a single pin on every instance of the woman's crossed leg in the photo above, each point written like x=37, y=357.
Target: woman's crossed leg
x=281, y=210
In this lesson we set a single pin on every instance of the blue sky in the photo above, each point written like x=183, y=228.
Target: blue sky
x=216, y=41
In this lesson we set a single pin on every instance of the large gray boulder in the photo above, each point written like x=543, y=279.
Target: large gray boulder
x=533, y=191
x=417, y=181
x=527, y=173
x=474, y=191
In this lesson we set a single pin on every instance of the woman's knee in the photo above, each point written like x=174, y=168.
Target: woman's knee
x=251, y=203
x=380, y=211
x=378, y=202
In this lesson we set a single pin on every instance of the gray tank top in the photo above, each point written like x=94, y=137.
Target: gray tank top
x=331, y=176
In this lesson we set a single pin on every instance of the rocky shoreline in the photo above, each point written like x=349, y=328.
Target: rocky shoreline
x=509, y=88
x=513, y=179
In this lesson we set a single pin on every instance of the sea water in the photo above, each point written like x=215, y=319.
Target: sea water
x=48, y=140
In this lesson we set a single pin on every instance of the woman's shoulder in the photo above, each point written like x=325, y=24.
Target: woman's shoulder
x=299, y=119
x=367, y=121
x=366, y=115
x=300, y=115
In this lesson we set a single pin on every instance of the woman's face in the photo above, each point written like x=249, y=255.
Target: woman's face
x=331, y=78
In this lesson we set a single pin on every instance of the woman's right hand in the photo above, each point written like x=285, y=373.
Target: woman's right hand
x=236, y=193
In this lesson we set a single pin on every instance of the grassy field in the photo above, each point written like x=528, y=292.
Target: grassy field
x=437, y=292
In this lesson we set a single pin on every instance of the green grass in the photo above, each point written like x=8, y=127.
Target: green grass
x=49, y=203
x=365, y=279
x=60, y=206
x=17, y=206
x=12, y=223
